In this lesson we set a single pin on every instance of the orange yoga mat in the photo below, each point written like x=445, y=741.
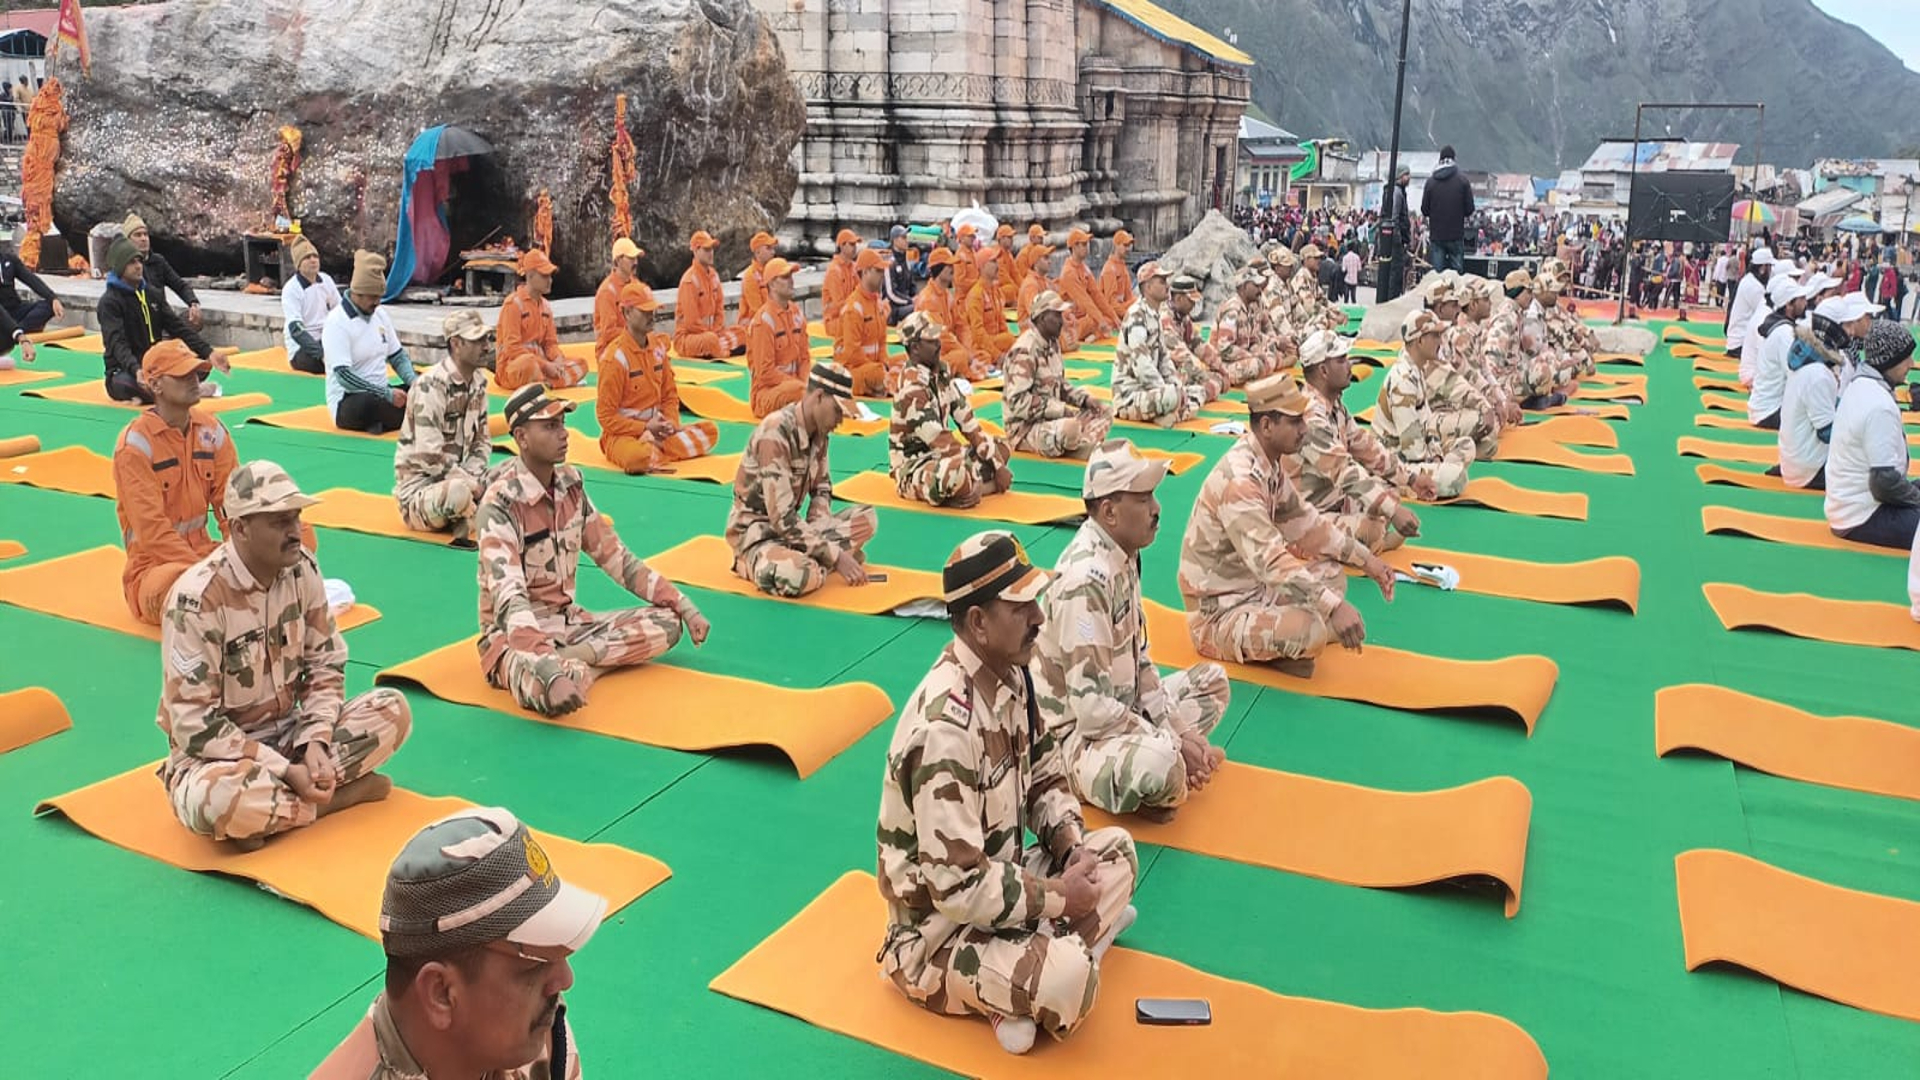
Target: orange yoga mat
x=675, y=707
x=1720, y=474
x=1613, y=581
x=30, y=715
x=1690, y=351
x=94, y=392
x=1843, y=622
x=1721, y=367
x=1497, y=494
x=1709, y=382
x=706, y=562
x=1021, y=507
x=1801, y=532
x=1848, y=752
x=1724, y=403
x=1371, y=345
x=85, y=587
x=1853, y=947
x=1350, y=834
x=58, y=333
x=337, y=865
x=81, y=342
x=1635, y=382
x=1575, y=431
x=364, y=512
x=1178, y=461
x=1517, y=686
x=1698, y=337
x=272, y=359
x=73, y=469
x=1747, y=453
x=12, y=549
x=316, y=419
x=1537, y=446
x=705, y=401
x=1585, y=408
x=1620, y=358
x=1609, y=393
x=820, y=968
x=584, y=451
x=1724, y=422
x=16, y=445
x=22, y=376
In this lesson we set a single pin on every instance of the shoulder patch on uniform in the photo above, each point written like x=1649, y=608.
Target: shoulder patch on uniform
x=957, y=706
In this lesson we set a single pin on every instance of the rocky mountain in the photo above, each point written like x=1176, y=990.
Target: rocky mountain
x=1533, y=85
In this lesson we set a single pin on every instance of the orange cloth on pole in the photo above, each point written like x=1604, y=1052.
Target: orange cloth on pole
x=529, y=346
x=753, y=292
x=860, y=344
x=1116, y=284
x=778, y=355
x=700, y=316
x=937, y=302
x=841, y=282
x=607, y=321
x=636, y=388
x=167, y=482
x=987, y=324
x=1078, y=287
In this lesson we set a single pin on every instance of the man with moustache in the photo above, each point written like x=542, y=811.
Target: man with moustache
x=1340, y=468
x=440, y=463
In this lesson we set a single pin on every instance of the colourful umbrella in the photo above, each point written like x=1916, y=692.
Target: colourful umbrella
x=1754, y=212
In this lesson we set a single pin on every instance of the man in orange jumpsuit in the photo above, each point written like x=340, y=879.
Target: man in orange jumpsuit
x=860, y=340
x=966, y=268
x=1011, y=275
x=986, y=318
x=841, y=278
x=1035, y=251
x=1079, y=287
x=606, y=299
x=936, y=299
x=1038, y=282
x=778, y=352
x=753, y=280
x=1116, y=279
x=638, y=402
x=700, y=329
x=170, y=467
x=529, y=346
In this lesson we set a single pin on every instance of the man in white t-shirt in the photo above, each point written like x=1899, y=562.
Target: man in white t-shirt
x=1869, y=498
x=1748, y=297
x=306, y=300
x=1720, y=276
x=1822, y=347
x=359, y=343
x=1750, y=352
x=1771, y=341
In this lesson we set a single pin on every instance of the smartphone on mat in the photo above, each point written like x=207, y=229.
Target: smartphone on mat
x=881, y=578
x=1182, y=1011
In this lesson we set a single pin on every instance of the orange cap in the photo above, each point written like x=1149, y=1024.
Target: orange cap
x=763, y=238
x=871, y=259
x=702, y=239
x=172, y=357
x=779, y=268
x=1004, y=230
x=847, y=236
x=940, y=257
x=534, y=261
x=965, y=230
x=986, y=255
x=1036, y=231
x=1123, y=237
x=635, y=294
x=1078, y=236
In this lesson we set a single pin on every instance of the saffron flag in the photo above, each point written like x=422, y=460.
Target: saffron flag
x=72, y=31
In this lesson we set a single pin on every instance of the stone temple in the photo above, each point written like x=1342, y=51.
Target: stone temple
x=1110, y=113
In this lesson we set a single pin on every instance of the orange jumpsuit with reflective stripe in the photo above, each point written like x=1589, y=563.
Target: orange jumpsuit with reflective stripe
x=1116, y=284
x=753, y=293
x=700, y=329
x=636, y=395
x=860, y=345
x=527, y=342
x=167, y=481
x=841, y=282
x=777, y=355
x=1079, y=288
x=987, y=324
x=937, y=302
x=607, y=322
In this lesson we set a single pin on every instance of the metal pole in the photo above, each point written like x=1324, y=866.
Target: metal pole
x=1633, y=175
x=1395, y=268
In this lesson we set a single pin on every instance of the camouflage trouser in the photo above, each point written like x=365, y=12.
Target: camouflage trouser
x=952, y=471
x=1272, y=626
x=1046, y=973
x=1198, y=374
x=1450, y=472
x=1164, y=405
x=439, y=505
x=614, y=639
x=1065, y=437
x=236, y=800
x=779, y=570
x=1370, y=529
x=1122, y=773
x=1245, y=368
x=635, y=454
x=1479, y=428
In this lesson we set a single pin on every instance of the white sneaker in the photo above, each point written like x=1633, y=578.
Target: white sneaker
x=1016, y=1033
x=1125, y=919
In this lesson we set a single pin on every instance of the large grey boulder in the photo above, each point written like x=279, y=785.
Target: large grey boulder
x=180, y=118
x=1382, y=321
x=1214, y=252
x=1626, y=339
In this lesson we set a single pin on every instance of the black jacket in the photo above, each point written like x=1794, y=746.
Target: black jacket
x=1447, y=204
x=13, y=272
x=162, y=276
x=127, y=331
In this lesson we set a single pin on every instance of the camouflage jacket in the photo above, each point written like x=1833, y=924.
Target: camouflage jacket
x=1500, y=350
x=1340, y=460
x=1192, y=356
x=1090, y=664
x=1037, y=389
x=1251, y=535
x=374, y=1050
x=445, y=429
x=781, y=488
x=1403, y=418
x=967, y=775
x=1241, y=329
x=251, y=670
x=1566, y=331
x=530, y=544
x=1311, y=308
x=1143, y=357
x=926, y=409
x=1456, y=385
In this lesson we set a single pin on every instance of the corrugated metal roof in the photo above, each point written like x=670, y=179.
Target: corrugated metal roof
x=1169, y=27
x=1831, y=201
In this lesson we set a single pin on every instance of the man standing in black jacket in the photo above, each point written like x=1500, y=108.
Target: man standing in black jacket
x=133, y=315
x=1447, y=204
x=159, y=274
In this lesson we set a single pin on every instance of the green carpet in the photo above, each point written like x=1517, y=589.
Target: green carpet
x=127, y=957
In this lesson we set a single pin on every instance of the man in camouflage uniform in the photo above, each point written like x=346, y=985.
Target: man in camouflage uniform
x=1282, y=264
x=1406, y=420
x=1134, y=742
x=1310, y=307
x=1045, y=414
x=1197, y=361
x=1146, y=385
x=1459, y=407
x=1464, y=347
x=1243, y=332
x=534, y=521
x=1260, y=568
x=440, y=463
x=253, y=675
x=1571, y=339
x=785, y=535
x=1518, y=363
x=928, y=461
x=1340, y=468
x=978, y=923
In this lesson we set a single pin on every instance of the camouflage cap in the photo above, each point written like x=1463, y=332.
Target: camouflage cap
x=534, y=402
x=1276, y=394
x=836, y=382
x=1312, y=251
x=466, y=323
x=1474, y=287
x=1050, y=301
x=261, y=487
x=919, y=326
x=1418, y=324
x=1437, y=290
x=1551, y=266
x=1283, y=257
x=172, y=357
x=1150, y=270
x=991, y=565
x=1321, y=346
x=477, y=877
x=1116, y=467
x=1249, y=275
x=1518, y=279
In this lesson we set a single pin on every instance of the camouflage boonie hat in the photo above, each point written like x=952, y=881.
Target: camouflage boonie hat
x=1321, y=346
x=261, y=487
x=466, y=323
x=533, y=402
x=920, y=326
x=1418, y=324
x=991, y=565
x=836, y=382
x=1116, y=467
x=477, y=877
x=1276, y=394
x=1049, y=301
x=1185, y=283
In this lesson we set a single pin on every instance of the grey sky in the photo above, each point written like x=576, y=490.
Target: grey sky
x=1890, y=21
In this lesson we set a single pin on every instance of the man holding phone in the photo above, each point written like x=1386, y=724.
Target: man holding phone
x=979, y=923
